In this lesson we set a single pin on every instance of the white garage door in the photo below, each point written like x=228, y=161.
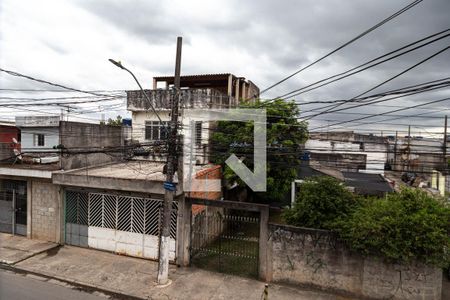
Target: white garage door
x=122, y=224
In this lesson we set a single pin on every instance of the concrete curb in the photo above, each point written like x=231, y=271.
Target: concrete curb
x=76, y=284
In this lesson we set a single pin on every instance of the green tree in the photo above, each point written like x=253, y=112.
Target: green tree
x=406, y=226
x=285, y=135
x=116, y=122
x=320, y=202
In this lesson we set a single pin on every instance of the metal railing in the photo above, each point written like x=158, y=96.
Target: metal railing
x=190, y=98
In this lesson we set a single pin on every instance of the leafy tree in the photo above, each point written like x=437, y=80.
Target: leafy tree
x=116, y=122
x=285, y=135
x=320, y=201
x=405, y=226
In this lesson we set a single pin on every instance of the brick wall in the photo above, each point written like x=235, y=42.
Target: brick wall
x=6, y=151
x=45, y=211
x=315, y=258
x=213, y=172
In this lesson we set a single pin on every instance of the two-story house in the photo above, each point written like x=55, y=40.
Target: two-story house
x=209, y=91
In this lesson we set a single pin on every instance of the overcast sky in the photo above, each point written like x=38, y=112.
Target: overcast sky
x=69, y=42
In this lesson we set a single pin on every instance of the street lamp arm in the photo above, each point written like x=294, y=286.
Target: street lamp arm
x=119, y=65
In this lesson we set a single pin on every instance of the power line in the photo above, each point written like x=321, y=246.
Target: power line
x=380, y=114
x=408, y=91
x=64, y=91
x=382, y=83
x=350, y=72
x=345, y=44
x=13, y=73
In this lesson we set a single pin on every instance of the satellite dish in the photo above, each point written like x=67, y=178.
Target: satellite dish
x=18, y=155
x=15, y=141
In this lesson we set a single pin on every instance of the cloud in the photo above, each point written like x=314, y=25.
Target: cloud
x=69, y=42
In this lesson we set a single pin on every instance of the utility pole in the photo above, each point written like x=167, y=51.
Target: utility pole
x=395, y=152
x=409, y=147
x=445, y=139
x=169, y=186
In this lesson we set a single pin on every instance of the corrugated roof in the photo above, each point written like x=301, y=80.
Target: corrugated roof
x=365, y=183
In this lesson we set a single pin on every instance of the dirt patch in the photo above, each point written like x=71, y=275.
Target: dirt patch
x=52, y=252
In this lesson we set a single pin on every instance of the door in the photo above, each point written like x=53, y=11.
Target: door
x=6, y=211
x=13, y=206
x=20, y=218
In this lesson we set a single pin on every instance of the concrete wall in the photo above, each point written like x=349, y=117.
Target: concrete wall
x=97, y=137
x=45, y=211
x=315, y=258
x=376, y=156
x=200, y=152
x=139, y=118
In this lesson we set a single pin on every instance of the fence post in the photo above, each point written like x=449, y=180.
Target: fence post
x=263, y=238
x=184, y=241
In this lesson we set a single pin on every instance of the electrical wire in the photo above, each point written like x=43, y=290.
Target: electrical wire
x=355, y=70
x=396, y=14
x=382, y=83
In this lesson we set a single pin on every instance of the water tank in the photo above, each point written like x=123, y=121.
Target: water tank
x=127, y=122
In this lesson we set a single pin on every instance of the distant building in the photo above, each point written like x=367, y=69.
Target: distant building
x=39, y=133
x=348, y=151
x=26, y=180
x=416, y=154
x=9, y=140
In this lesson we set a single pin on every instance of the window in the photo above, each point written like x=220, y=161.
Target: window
x=198, y=133
x=39, y=140
x=154, y=130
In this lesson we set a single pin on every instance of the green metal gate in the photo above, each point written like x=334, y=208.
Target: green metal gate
x=226, y=241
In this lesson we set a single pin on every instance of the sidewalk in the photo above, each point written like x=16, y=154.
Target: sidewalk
x=136, y=277
x=14, y=249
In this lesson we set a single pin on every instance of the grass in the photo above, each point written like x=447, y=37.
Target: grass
x=229, y=255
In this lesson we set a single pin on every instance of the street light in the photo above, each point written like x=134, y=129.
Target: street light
x=119, y=65
x=169, y=186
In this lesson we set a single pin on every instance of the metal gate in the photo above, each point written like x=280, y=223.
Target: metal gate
x=118, y=223
x=13, y=206
x=226, y=240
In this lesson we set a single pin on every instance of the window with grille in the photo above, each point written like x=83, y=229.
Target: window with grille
x=155, y=130
x=198, y=133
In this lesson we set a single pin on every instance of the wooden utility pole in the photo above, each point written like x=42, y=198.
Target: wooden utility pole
x=445, y=139
x=169, y=186
x=395, y=152
x=409, y=146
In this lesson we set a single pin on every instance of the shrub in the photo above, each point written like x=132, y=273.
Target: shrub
x=319, y=203
x=406, y=226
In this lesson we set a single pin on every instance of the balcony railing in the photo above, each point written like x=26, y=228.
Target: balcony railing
x=190, y=98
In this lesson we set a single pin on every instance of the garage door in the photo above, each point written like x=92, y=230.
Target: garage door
x=121, y=224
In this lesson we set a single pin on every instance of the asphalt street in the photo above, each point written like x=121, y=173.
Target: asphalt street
x=29, y=287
